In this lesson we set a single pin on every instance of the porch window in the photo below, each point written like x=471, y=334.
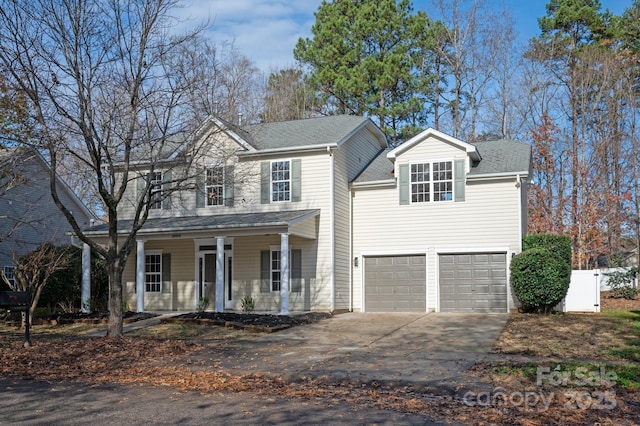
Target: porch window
x=276, y=277
x=280, y=181
x=8, y=273
x=153, y=272
x=432, y=182
x=214, y=186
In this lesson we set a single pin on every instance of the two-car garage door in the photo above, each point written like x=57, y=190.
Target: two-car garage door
x=468, y=282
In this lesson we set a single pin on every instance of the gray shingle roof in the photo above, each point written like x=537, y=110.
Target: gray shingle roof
x=380, y=168
x=306, y=132
x=212, y=222
x=502, y=156
x=498, y=157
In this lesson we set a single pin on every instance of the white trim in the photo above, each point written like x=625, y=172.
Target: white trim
x=432, y=181
x=288, y=160
x=290, y=150
x=374, y=183
x=471, y=150
x=491, y=176
x=208, y=167
x=332, y=232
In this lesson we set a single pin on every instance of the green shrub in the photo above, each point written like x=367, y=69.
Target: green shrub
x=560, y=245
x=203, y=304
x=247, y=303
x=621, y=283
x=540, y=279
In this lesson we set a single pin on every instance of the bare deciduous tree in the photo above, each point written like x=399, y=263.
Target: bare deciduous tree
x=99, y=78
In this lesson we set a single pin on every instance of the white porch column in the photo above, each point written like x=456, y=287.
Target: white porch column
x=284, y=274
x=86, y=278
x=140, y=277
x=219, y=274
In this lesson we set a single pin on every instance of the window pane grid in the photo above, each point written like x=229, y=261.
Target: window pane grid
x=432, y=178
x=214, y=186
x=155, y=180
x=275, y=271
x=280, y=181
x=153, y=273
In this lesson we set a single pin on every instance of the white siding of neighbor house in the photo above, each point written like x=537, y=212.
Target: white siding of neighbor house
x=485, y=221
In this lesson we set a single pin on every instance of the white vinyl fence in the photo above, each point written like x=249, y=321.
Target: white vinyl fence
x=584, y=291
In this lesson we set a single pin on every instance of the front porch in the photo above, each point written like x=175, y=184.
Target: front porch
x=270, y=257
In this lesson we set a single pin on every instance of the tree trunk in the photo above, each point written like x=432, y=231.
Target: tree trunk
x=114, y=326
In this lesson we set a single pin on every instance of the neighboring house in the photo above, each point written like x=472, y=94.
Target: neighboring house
x=319, y=214
x=28, y=215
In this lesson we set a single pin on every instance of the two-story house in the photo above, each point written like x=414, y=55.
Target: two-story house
x=319, y=214
x=28, y=214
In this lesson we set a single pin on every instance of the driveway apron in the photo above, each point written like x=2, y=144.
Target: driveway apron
x=418, y=349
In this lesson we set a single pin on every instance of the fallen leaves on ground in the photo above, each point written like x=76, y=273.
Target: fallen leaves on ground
x=168, y=363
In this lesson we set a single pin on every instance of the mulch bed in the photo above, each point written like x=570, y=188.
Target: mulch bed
x=13, y=318
x=251, y=322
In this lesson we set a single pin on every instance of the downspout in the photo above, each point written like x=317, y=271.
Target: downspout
x=519, y=187
x=332, y=278
x=350, y=249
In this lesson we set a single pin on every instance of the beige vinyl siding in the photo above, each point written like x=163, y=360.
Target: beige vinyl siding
x=488, y=218
x=181, y=294
x=430, y=149
x=356, y=154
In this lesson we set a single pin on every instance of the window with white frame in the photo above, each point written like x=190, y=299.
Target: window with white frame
x=280, y=181
x=8, y=273
x=155, y=180
x=432, y=182
x=214, y=186
x=153, y=272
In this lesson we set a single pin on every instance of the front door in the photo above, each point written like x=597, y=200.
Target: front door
x=207, y=278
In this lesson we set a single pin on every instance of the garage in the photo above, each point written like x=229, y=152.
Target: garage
x=395, y=283
x=473, y=282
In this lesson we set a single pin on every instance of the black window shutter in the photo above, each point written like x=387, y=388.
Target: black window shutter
x=265, y=271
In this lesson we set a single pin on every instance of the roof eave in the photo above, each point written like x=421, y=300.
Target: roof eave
x=498, y=175
x=374, y=183
x=290, y=150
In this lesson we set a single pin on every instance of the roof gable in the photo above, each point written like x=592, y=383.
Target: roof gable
x=432, y=133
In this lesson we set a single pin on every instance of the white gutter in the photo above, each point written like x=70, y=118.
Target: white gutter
x=519, y=189
x=374, y=183
x=332, y=280
x=471, y=176
x=294, y=149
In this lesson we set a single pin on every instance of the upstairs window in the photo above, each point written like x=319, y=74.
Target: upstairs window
x=432, y=182
x=155, y=181
x=214, y=186
x=280, y=181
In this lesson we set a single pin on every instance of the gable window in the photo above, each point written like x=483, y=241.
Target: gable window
x=432, y=182
x=8, y=273
x=155, y=181
x=280, y=181
x=153, y=272
x=214, y=186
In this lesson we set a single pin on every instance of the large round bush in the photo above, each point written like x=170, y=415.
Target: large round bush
x=540, y=279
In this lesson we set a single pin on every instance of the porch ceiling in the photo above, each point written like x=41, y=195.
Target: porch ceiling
x=237, y=224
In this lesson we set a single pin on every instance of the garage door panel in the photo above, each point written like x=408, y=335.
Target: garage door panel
x=473, y=282
x=399, y=280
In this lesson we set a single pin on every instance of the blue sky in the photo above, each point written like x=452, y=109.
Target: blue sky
x=266, y=31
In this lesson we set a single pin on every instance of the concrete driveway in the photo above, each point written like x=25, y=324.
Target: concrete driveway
x=421, y=349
